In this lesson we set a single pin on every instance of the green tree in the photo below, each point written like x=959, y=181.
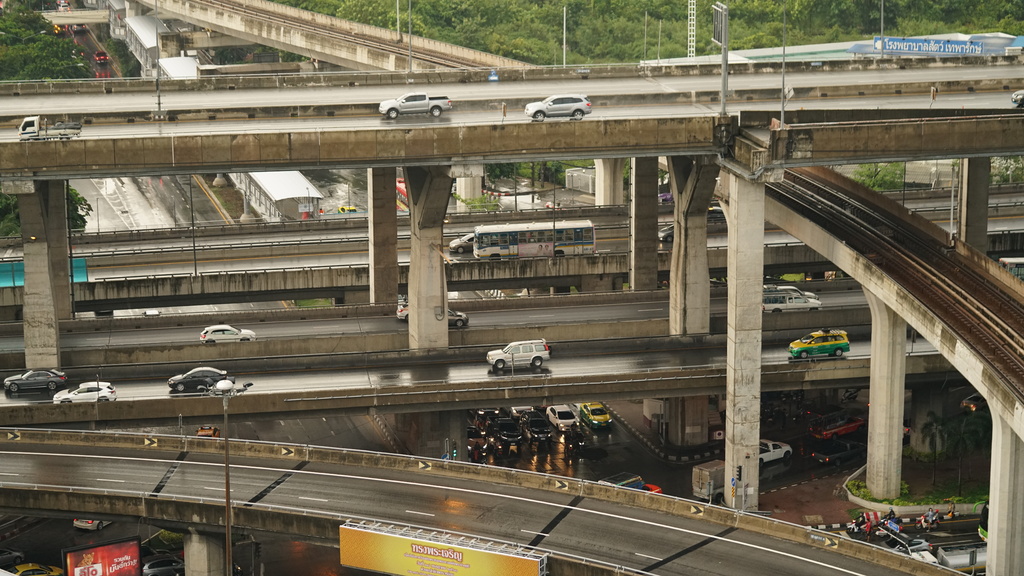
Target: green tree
x=30, y=51
x=934, y=433
x=10, y=219
x=973, y=432
x=887, y=176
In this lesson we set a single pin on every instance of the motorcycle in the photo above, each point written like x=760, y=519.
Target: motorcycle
x=923, y=523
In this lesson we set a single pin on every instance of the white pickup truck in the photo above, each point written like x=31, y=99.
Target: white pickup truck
x=415, y=103
x=36, y=128
x=772, y=451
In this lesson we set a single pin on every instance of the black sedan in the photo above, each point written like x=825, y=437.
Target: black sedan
x=198, y=379
x=51, y=379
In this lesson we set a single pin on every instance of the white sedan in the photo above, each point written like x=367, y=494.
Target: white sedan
x=87, y=392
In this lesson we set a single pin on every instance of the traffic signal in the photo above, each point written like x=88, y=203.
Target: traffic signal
x=739, y=473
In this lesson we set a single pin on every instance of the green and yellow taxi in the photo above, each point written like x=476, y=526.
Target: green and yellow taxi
x=827, y=341
x=595, y=415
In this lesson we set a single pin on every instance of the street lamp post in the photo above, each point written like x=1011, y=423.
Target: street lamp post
x=226, y=389
x=23, y=38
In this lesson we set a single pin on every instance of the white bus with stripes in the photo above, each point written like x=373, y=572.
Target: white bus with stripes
x=528, y=239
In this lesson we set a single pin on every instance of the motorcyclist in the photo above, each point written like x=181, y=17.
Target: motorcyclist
x=574, y=440
x=929, y=520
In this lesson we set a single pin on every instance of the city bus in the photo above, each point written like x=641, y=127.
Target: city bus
x=1014, y=265
x=556, y=238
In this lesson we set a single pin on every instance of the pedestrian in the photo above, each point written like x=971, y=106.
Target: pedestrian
x=929, y=519
x=951, y=510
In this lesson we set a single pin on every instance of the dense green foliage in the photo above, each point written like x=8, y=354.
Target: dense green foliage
x=10, y=222
x=29, y=50
x=605, y=31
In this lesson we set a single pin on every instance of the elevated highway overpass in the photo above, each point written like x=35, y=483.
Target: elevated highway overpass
x=157, y=476
x=748, y=153
x=316, y=36
x=288, y=276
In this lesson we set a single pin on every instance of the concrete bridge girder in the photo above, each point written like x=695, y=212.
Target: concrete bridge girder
x=889, y=141
x=319, y=36
x=429, y=145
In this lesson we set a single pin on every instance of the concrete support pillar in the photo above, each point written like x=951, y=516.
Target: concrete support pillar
x=47, y=292
x=972, y=227
x=1006, y=507
x=687, y=420
x=469, y=183
x=643, y=225
x=434, y=434
x=204, y=554
x=888, y=374
x=745, y=213
x=429, y=189
x=383, y=221
x=608, y=181
x=692, y=181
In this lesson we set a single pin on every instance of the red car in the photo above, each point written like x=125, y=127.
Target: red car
x=101, y=58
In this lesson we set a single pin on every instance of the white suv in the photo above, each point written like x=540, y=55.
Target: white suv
x=526, y=352
x=225, y=333
x=575, y=105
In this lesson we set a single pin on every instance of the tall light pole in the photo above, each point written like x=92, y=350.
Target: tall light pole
x=156, y=15
x=782, y=111
x=226, y=389
x=881, y=31
x=565, y=16
x=409, y=18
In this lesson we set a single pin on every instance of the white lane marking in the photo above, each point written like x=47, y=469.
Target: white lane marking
x=9, y=474
x=477, y=492
x=532, y=532
x=110, y=480
x=420, y=513
x=651, y=310
x=314, y=499
x=655, y=558
x=542, y=315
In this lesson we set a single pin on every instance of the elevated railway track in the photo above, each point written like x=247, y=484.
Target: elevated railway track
x=983, y=310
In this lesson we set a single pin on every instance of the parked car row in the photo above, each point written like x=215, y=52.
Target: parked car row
x=502, y=431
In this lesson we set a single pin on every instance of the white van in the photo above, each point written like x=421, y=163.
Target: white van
x=779, y=301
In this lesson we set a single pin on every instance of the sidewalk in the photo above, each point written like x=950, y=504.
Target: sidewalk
x=819, y=502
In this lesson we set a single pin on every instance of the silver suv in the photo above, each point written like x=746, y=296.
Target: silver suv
x=575, y=105
x=523, y=353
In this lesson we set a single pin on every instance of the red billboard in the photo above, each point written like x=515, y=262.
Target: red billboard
x=117, y=558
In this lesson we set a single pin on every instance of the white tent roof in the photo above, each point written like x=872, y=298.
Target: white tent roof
x=282, y=185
